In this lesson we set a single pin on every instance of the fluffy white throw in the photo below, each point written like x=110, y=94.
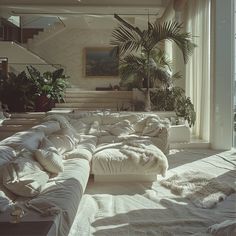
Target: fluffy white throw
x=199, y=187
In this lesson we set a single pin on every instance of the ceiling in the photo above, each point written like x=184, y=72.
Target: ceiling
x=84, y=6
x=92, y=12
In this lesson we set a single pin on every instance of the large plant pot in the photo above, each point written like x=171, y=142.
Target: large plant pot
x=43, y=103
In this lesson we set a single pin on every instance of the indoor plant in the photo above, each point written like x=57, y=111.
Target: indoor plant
x=17, y=92
x=141, y=56
x=173, y=99
x=49, y=87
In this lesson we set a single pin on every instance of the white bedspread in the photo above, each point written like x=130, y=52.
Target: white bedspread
x=142, y=209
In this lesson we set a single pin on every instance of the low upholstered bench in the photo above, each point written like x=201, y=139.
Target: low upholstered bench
x=133, y=160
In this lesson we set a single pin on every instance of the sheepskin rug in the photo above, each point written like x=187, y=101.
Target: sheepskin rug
x=202, y=189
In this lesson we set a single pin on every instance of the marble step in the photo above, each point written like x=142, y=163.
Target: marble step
x=96, y=100
x=73, y=92
x=34, y=115
x=21, y=121
x=89, y=105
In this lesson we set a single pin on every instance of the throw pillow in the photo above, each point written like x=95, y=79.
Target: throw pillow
x=50, y=160
x=63, y=143
x=123, y=127
x=7, y=154
x=5, y=202
x=24, y=177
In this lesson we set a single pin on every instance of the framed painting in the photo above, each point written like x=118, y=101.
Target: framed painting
x=101, y=62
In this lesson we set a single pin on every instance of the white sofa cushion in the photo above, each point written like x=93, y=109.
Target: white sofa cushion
x=24, y=177
x=85, y=148
x=50, y=160
x=7, y=154
x=152, y=127
x=26, y=139
x=123, y=127
x=48, y=127
x=5, y=202
x=63, y=143
x=129, y=157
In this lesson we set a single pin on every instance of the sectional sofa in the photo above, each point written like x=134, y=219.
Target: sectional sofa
x=44, y=170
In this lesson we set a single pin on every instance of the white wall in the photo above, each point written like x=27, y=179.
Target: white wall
x=67, y=48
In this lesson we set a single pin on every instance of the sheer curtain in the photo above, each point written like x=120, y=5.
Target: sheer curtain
x=198, y=68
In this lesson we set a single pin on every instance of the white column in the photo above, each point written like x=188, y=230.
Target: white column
x=222, y=74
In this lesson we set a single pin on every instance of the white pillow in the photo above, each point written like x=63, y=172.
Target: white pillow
x=50, y=160
x=63, y=143
x=5, y=202
x=7, y=154
x=123, y=127
x=48, y=127
x=29, y=139
x=152, y=128
x=75, y=137
x=24, y=177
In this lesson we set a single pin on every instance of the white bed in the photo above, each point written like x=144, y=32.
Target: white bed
x=133, y=209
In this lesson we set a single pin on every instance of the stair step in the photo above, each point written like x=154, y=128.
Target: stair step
x=38, y=115
x=72, y=92
x=14, y=128
x=96, y=100
x=88, y=105
x=20, y=121
x=59, y=110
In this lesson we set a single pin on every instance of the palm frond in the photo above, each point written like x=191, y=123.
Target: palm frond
x=172, y=31
x=132, y=65
x=128, y=25
x=126, y=40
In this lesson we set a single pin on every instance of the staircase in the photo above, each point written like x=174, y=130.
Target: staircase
x=96, y=100
x=44, y=35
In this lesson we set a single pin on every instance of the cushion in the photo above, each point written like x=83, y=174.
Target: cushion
x=63, y=143
x=5, y=202
x=47, y=144
x=7, y=154
x=64, y=122
x=24, y=177
x=50, y=160
x=121, y=128
x=48, y=127
x=85, y=148
x=26, y=139
x=75, y=137
x=152, y=128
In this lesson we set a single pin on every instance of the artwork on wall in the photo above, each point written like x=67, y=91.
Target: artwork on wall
x=101, y=62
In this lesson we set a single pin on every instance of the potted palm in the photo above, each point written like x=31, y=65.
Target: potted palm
x=49, y=87
x=141, y=56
